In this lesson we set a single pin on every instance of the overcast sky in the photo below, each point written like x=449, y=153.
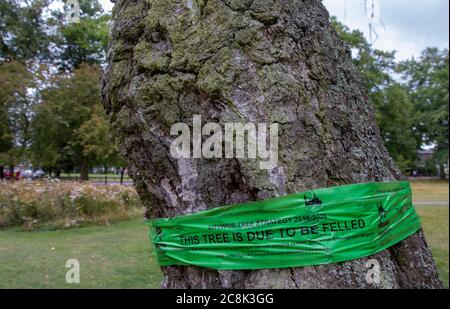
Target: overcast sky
x=407, y=26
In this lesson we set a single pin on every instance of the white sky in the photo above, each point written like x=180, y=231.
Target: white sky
x=407, y=26
x=107, y=5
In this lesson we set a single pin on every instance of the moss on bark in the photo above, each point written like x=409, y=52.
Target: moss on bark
x=248, y=61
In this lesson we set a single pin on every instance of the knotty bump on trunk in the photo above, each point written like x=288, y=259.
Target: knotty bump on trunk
x=259, y=61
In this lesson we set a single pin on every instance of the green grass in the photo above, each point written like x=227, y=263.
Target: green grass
x=435, y=224
x=116, y=256
x=435, y=221
x=119, y=256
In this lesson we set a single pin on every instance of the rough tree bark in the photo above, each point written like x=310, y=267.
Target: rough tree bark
x=248, y=61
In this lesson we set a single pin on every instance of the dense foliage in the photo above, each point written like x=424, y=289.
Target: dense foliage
x=410, y=98
x=50, y=72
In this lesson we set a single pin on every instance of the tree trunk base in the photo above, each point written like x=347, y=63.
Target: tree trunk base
x=400, y=268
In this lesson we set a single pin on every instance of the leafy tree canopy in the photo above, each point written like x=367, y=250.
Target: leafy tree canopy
x=395, y=112
x=427, y=83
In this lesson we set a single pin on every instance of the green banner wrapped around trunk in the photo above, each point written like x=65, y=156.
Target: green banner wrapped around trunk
x=317, y=227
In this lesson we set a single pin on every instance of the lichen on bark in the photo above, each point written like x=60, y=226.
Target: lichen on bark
x=248, y=61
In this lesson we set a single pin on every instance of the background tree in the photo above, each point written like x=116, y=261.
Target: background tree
x=395, y=113
x=427, y=82
x=15, y=111
x=396, y=118
x=23, y=30
x=83, y=42
x=23, y=43
x=95, y=140
x=48, y=94
x=66, y=106
x=248, y=61
x=6, y=134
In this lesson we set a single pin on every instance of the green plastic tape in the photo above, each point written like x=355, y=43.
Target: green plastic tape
x=311, y=228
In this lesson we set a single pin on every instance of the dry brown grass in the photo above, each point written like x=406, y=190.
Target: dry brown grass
x=430, y=190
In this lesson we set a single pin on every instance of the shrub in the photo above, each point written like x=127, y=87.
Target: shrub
x=53, y=205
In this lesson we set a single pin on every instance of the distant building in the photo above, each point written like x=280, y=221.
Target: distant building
x=423, y=156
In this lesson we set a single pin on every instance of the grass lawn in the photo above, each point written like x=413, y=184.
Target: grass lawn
x=119, y=255
x=435, y=220
x=436, y=228
x=430, y=190
x=116, y=256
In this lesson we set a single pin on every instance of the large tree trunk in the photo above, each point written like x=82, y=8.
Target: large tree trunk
x=248, y=61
